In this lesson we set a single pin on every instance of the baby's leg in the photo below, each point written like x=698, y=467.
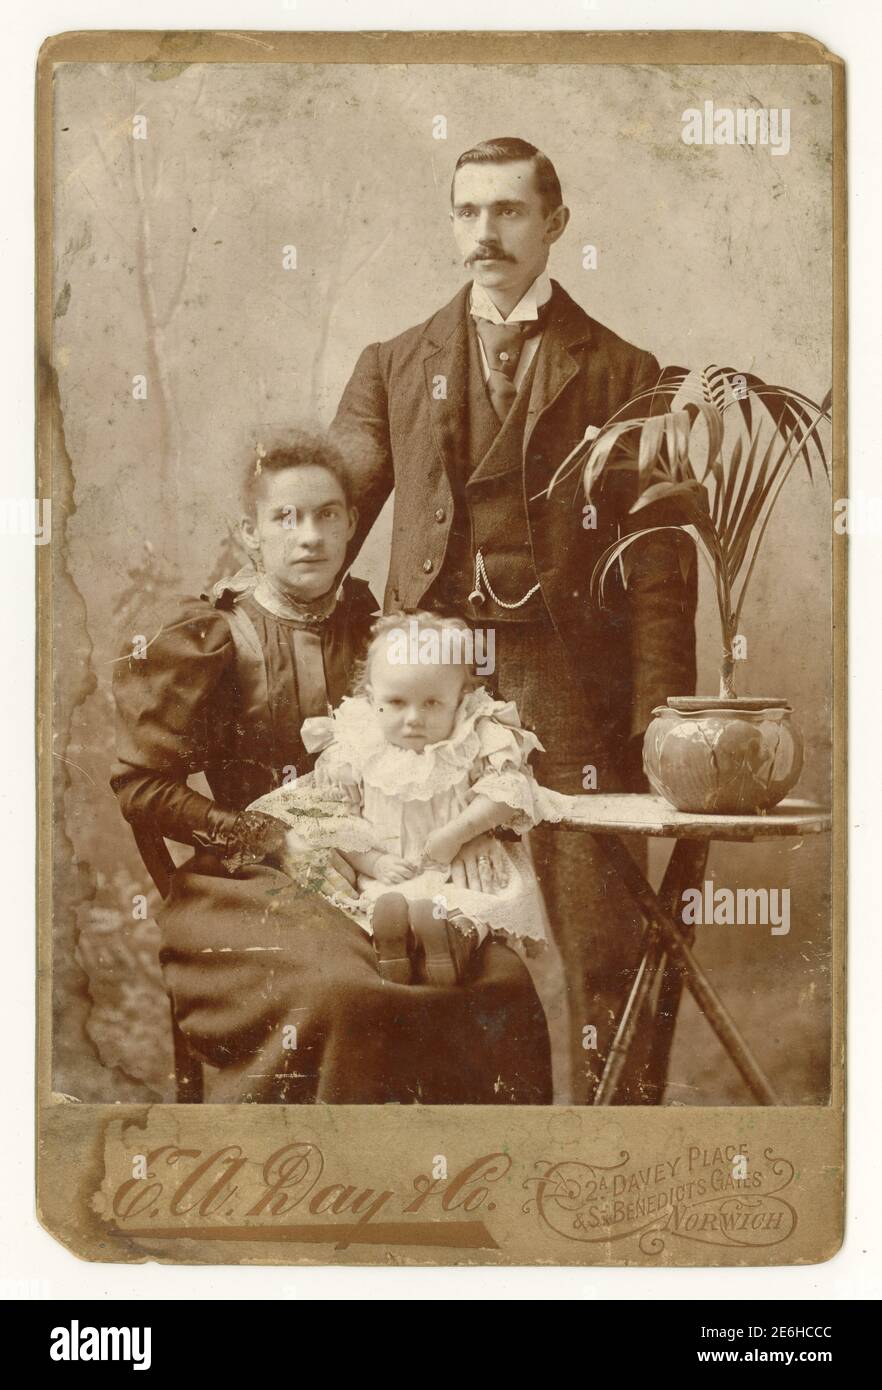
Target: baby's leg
x=391, y=930
x=447, y=949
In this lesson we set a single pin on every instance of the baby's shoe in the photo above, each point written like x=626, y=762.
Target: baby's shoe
x=447, y=951
x=391, y=929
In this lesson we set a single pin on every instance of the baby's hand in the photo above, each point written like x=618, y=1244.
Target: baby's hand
x=390, y=869
x=442, y=847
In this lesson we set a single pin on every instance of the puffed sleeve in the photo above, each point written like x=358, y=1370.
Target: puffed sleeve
x=161, y=698
x=163, y=727
x=502, y=772
x=337, y=768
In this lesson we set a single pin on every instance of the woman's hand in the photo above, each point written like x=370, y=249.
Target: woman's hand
x=443, y=845
x=464, y=844
x=474, y=867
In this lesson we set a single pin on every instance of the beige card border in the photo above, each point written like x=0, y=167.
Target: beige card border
x=498, y=1213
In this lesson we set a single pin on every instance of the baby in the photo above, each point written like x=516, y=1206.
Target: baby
x=417, y=763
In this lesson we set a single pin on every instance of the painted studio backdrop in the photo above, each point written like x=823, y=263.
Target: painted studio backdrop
x=274, y=221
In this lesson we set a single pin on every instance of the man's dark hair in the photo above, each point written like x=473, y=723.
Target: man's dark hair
x=300, y=449
x=508, y=149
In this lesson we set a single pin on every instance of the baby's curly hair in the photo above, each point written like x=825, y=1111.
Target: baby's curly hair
x=454, y=634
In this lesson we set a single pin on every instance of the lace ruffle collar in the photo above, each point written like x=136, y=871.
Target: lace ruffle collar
x=484, y=726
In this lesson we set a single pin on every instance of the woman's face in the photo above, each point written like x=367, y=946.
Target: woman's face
x=300, y=530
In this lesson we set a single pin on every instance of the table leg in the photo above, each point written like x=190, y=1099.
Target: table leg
x=696, y=981
x=681, y=869
x=621, y=1043
x=691, y=862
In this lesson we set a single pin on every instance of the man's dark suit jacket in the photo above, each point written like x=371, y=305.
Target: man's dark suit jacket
x=402, y=423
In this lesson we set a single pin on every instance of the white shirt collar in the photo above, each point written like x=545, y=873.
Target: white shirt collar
x=527, y=308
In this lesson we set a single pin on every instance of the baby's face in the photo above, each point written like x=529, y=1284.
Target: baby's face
x=415, y=705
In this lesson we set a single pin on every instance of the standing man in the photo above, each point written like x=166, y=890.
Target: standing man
x=467, y=416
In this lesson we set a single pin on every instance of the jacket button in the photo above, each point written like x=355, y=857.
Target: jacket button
x=440, y=514
x=427, y=566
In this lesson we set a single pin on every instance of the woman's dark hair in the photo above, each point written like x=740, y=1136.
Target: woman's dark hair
x=300, y=449
x=508, y=149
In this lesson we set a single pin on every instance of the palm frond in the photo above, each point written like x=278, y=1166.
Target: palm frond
x=690, y=493
x=745, y=518
x=713, y=387
x=652, y=433
x=743, y=459
x=602, y=447
x=614, y=552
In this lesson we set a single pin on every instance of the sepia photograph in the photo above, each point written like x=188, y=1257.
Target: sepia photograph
x=440, y=603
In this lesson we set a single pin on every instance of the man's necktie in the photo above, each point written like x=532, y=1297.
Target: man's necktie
x=503, y=344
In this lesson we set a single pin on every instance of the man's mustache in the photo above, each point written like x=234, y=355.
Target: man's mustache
x=488, y=254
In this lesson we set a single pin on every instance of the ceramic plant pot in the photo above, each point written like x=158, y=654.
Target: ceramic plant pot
x=722, y=756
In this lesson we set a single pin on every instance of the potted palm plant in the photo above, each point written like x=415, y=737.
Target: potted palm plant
x=711, y=451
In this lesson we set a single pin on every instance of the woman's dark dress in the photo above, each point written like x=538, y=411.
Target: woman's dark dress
x=255, y=963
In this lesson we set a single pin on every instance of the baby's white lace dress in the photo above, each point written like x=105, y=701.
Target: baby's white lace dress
x=404, y=795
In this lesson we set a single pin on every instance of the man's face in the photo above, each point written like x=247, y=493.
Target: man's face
x=300, y=529
x=501, y=227
x=415, y=705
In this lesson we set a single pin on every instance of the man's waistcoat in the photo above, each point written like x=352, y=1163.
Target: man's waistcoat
x=490, y=514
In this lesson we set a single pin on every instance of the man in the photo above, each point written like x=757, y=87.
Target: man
x=271, y=985
x=467, y=416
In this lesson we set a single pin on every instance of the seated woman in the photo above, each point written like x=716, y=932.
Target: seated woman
x=271, y=983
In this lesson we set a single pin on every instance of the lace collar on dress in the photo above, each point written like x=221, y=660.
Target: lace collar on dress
x=483, y=726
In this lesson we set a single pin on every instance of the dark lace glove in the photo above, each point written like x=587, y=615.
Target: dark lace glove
x=251, y=839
